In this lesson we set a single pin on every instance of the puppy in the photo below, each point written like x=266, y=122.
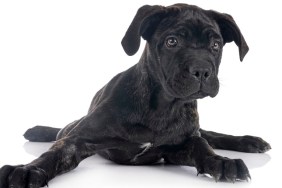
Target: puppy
x=149, y=112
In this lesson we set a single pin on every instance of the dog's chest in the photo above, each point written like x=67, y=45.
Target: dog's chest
x=173, y=126
x=160, y=127
x=148, y=132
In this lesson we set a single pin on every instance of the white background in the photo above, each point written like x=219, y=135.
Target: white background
x=54, y=56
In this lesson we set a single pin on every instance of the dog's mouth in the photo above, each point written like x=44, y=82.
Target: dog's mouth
x=183, y=94
x=191, y=90
x=199, y=95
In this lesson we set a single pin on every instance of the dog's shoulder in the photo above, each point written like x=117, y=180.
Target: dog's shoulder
x=127, y=90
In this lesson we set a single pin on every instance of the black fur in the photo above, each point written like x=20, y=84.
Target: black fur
x=149, y=112
x=41, y=134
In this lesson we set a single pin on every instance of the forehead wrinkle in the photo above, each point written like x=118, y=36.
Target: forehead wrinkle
x=192, y=28
x=188, y=22
x=184, y=19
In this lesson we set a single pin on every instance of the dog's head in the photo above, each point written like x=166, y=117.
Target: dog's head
x=184, y=46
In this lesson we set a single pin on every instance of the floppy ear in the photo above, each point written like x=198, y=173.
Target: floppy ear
x=230, y=32
x=143, y=24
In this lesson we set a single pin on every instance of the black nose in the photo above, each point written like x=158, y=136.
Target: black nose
x=200, y=73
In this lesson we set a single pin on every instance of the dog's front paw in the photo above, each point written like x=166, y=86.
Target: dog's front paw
x=252, y=144
x=224, y=169
x=22, y=176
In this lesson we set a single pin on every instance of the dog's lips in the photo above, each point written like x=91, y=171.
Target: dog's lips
x=183, y=95
x=186, y=94
x=199, y=95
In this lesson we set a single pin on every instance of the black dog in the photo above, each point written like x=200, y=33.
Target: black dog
x=149, y=112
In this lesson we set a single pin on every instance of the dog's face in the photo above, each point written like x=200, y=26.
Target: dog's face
x=184, y=47
x=188, y=49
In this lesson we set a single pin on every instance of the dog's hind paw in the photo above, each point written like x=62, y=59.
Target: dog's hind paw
x=252, y=144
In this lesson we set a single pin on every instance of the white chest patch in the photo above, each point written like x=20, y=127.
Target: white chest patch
x=145, y=146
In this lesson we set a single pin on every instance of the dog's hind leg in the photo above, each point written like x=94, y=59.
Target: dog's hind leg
x=48, y=134
x=41, y=134
x=250, y=144
x=83, y=139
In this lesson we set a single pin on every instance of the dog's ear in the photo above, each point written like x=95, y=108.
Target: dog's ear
x=230, y=32
x=143, y=24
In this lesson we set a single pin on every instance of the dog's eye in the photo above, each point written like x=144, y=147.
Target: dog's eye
x=216, y=46
x=171, y=42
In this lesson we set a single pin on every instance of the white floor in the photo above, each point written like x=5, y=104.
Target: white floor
x=55, y=55
x=97, y=172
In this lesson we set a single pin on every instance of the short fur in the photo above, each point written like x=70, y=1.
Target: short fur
x=149, y=112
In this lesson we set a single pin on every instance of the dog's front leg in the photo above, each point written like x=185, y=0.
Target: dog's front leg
x=63, y=156
x=197, y=152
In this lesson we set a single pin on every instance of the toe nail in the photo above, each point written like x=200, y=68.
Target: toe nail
x=249, y=178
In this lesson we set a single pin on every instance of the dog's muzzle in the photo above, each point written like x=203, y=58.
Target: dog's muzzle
x=201, y=74
x=194, y=81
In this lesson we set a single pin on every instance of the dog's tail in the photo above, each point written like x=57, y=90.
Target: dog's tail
x=41, y=134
